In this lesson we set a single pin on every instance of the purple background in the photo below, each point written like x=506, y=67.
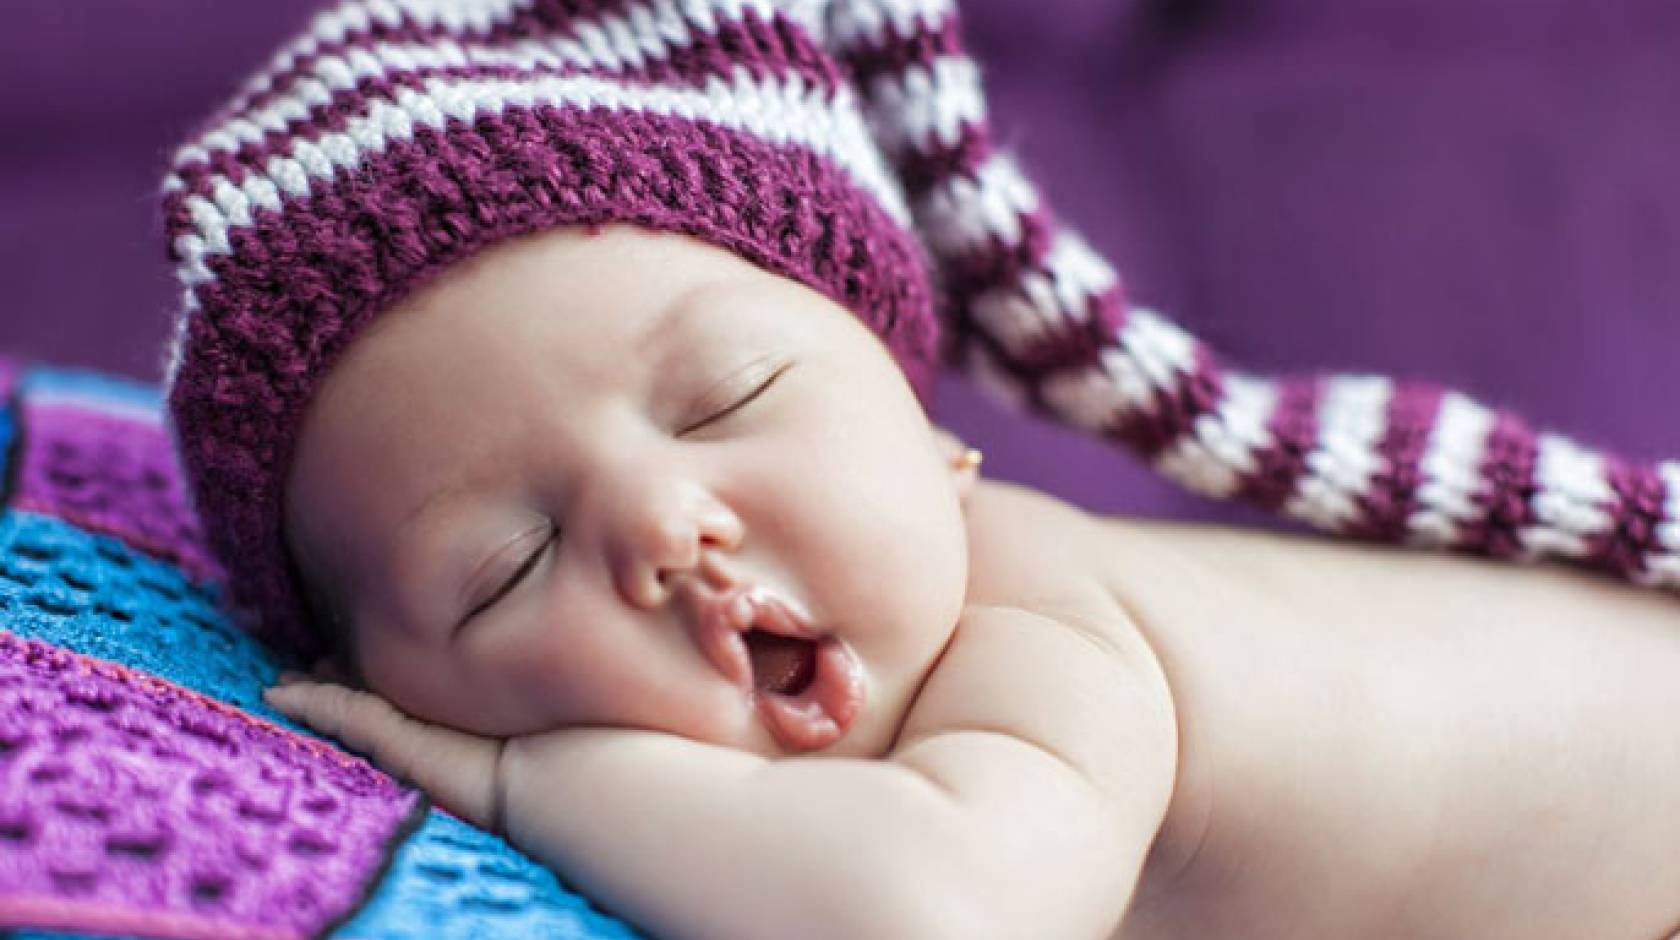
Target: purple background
x=1481, y=192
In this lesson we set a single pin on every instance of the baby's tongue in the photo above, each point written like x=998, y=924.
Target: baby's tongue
x=780, y=664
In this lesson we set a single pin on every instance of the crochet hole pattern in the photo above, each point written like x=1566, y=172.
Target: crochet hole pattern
x=120, y=791
x=97, y=596
x=112, y=473
x=451, y=881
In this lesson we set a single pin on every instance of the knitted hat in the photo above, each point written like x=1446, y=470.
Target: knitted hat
x=842, y=143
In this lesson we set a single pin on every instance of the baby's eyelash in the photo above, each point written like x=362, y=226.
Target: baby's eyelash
x=761, y=389
x=519, y=574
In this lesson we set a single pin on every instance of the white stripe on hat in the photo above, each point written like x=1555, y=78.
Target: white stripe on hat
x=1219, y=453
x=962, y=215
x=1450, y=472
x=920, y=108
x=1152, y=355
x=1662, y=567
x=1572, y=501
x=1162, y=349
x=1352, y=415
x=1023, y=313
x=859, y=23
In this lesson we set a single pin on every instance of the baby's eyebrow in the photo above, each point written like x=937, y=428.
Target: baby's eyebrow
x=434, y=500
x=659, y=339
x=688, y=323
x=410, y=531
x=480, y=472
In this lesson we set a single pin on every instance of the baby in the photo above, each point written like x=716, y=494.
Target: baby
x=560, y=370
x=749, y=651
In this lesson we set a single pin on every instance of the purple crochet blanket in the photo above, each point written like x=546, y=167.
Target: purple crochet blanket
x=145, y=789
x=128, y=803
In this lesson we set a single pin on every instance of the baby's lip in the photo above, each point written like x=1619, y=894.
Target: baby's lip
x=722, y=618
x=819, y=714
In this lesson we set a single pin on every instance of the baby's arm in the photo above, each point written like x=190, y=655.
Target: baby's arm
x=1031, y=777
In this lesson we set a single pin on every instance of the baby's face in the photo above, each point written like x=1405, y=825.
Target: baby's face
x=590, y=479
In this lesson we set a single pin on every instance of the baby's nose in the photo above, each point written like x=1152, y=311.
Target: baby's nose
x=670, y=538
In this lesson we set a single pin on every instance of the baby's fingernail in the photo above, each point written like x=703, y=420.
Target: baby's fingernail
x=289, y=676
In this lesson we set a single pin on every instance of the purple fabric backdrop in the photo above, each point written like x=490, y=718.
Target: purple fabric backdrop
x=1475, y=191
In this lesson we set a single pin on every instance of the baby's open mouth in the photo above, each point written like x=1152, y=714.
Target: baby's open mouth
x=784, y=665
x=807, y=686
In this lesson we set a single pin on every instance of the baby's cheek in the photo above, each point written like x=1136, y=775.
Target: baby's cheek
x=430, y=683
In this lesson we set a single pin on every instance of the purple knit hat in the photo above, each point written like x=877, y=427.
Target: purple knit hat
x=842, y=143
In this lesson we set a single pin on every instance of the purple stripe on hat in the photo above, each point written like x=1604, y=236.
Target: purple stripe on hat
x=931, y=162
x=774, y=48
x=300, y=284
x=998, y=263
x=1391, y=495
x=891, y=52
x=1292, y=432
x=1074, y=341
x=1173, y=410
x=1108, y=312
x=1507, y=489
x=113, y=475
x=131, y=805
x=1641, y=496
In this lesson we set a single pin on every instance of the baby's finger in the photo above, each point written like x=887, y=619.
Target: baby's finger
x=457, y=769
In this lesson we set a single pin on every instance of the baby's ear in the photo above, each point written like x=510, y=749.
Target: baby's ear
x=956, y=454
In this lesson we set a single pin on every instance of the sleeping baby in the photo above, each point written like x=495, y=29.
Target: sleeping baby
x=558, y=374
x=747, y=650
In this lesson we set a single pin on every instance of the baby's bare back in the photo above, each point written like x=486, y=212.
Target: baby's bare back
x=1380, y=743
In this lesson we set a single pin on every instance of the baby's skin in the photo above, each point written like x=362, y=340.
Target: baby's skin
x=556, y=553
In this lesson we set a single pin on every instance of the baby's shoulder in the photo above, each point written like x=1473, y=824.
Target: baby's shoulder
x=1046, y=657
x=1033, y=553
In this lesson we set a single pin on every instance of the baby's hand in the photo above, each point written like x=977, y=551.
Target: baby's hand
x=458, y=770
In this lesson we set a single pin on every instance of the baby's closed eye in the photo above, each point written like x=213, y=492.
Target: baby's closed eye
x=733, y=401
x=507, y=568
